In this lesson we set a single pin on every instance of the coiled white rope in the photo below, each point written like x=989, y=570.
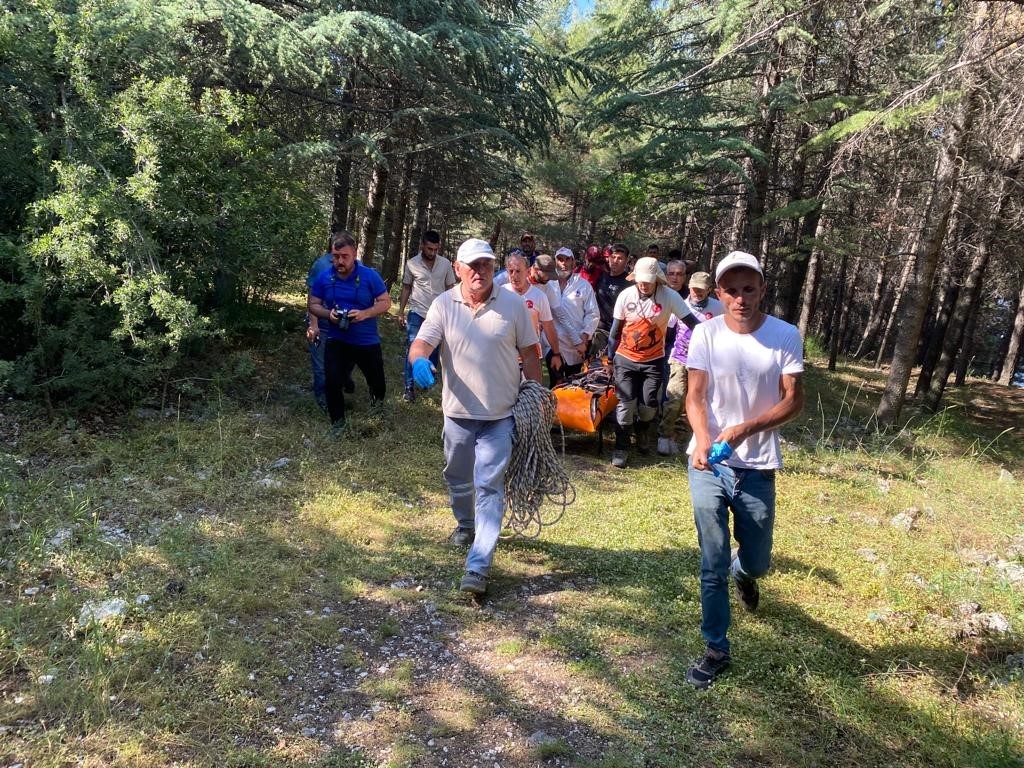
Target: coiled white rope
x=535, y=472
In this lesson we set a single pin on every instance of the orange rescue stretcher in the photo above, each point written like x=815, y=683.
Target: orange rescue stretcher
x=586, y=399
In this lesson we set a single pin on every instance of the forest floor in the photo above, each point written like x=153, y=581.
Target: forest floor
x=218, y=582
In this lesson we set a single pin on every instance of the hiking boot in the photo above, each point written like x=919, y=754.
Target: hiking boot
x=703, y=673
x=749, y=592
x=619, y=458
x=473, y=583
x=667, y=446
x=462, y=537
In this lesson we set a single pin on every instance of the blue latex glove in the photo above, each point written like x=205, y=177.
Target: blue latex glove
x=423, y=373
x=719, y=452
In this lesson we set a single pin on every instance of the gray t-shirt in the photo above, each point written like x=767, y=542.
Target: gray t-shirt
x=479, y=352
x=427, y=282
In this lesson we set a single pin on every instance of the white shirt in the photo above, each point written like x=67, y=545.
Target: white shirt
x=644, y=321
x=427, y=282
x=536, y=301
x=743, y=381
x=550, y=289
x=580, y=305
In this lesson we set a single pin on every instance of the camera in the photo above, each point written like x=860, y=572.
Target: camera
x=343, y=319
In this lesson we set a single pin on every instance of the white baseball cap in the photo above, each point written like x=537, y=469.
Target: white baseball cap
x=737, y=260
x=474, y=249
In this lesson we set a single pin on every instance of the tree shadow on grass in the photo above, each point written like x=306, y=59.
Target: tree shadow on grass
x=801, y=693
x=284, y=641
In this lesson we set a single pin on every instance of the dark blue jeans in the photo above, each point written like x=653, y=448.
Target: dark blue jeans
x=750, y=495
x=316, y=362
x=412, y=327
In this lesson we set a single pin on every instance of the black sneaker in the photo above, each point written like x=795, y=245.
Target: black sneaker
x=473, y=583
x=410, y=395
x=462, y=537
x=703, y=673
x=750, y=593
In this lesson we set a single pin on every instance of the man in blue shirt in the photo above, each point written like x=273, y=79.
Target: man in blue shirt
x=350, y=297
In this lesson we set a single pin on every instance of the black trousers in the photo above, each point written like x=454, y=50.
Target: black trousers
x=638, y=386
x=339, y=360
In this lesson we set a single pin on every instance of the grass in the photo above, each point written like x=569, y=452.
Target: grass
x=326, y=600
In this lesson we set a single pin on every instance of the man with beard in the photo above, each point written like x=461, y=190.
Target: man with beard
x=351, y=297
x=426, y=276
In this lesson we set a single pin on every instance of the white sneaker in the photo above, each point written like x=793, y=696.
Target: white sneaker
x=667, y=446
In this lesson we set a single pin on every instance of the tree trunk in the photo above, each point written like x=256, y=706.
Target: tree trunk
x=971, y=294
x=1012, y=358
x=934, y=336
x=342, y=180
x=967, y=348
x=838, y=312
x=966, y=304
x=842, y=335
x=934, y=227
x=393, y=260
x=897, y=301
x=875, y=312
x=375, y=195
x=495, y=233
x=810, y=288
x=343, y=166
x=875, y=315
x=785, y=284
x=424, y=189
x=388, y=216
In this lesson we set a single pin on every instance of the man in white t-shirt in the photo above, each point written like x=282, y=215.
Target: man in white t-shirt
x=744, y=382
x=537, y=303
x=542, y=272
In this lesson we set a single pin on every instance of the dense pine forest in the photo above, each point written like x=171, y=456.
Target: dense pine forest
x=167, y=166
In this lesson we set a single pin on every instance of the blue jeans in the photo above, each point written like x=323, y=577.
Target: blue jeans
x=750, y=494
x=412, y=327
x=316, y=362
x=476, y=455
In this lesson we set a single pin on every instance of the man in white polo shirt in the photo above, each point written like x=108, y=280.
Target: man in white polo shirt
x=744, y=376
x=482, y=332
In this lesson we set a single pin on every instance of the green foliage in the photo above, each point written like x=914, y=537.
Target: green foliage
x=793, y=210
